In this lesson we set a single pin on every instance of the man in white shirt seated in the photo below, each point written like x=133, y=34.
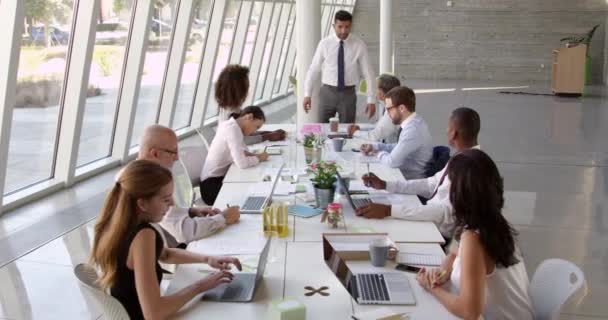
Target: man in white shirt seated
x=159, y=144
x=341, y=61
x=413, y=150
x=385, y=130
x=463, y=129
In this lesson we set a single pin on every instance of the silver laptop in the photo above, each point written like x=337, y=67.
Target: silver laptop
x=255, y=204
x=389, y=288
x=243, y=285
x=356, y=202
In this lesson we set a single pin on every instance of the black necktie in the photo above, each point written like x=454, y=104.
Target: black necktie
x=341, y=66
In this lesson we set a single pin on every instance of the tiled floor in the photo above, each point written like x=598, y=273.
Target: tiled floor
x=551, y=151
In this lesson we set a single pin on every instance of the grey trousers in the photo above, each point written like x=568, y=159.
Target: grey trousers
x=344, y=102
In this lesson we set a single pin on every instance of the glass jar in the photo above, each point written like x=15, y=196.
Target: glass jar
x=334, y=214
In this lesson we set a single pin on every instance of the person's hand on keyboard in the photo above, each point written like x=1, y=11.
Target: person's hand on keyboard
x=374, y=211
x=232, y=215
x=223, y=263
x=213, y=280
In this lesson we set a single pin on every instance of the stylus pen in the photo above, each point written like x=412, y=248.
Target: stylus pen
x=368, y=175
x=228, y=205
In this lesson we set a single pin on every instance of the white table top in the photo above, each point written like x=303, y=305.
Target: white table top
x=299, y=256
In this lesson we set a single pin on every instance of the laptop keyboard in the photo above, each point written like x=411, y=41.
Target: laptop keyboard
x=253, y=203
x=361, y=202
x=372, y=287
x=232, y=291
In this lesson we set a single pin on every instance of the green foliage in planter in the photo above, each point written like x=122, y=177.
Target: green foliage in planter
x=324, y=174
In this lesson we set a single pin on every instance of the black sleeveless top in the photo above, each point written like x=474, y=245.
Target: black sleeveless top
x=124, y=286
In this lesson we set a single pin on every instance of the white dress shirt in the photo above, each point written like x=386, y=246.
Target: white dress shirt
x=224, y=114
x=227, y=148
x=185, y=229
x=384, y=131
x=413, y=150
x=437, y=210
x=356, y=65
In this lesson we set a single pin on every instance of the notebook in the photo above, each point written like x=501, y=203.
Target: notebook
x=303, y=211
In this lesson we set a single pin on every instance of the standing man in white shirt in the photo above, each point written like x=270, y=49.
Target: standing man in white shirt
x=385, y=130
x=341, y=59
x=413, y=150
x=463, y=129
x=159, y=144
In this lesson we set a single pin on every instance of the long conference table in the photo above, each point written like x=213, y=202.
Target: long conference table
x=297, y=261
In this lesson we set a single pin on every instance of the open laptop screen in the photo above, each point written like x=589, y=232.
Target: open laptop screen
x=338, y=266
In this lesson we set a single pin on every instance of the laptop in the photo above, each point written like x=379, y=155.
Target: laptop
x=390, y=288
x=243, y=285
x=255, y=204
x=355, y=203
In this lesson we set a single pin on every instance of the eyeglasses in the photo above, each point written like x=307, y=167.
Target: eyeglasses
x=168, y=151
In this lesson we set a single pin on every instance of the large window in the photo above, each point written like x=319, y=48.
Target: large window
x=252, y=30
x=223, y=52
x=194, y=55
x=155, y=65
x=283, y=58
x=112, y=34
x=259, y=91
x=45, y=50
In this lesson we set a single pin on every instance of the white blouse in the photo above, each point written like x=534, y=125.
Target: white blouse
x=507, y=291
x=227, y=148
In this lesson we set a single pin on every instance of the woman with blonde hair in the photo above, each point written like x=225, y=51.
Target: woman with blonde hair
x=127, y=248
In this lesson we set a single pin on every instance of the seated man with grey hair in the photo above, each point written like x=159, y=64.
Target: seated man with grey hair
x=384, y=131
x=159, y=144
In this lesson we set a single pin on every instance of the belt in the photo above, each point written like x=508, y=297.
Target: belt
x=336, y=88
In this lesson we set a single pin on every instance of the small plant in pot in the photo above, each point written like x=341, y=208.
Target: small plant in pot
x=323, y=181
x=312, y=147
x=574, y=41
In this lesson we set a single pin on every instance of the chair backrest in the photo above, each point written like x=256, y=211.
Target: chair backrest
x=441, y=156
x=553, y=283
x=112, y=308
x=183, y=193
x=207, y=135
x=193, y=159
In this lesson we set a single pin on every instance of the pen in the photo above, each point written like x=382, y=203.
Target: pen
x=441, y=275
x=228, y=205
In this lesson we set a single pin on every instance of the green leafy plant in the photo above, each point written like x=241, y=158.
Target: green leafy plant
x=585, y=39
x=324, y=174
x=312, y=140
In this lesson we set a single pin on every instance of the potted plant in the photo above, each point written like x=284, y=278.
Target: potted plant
x=323, y=182
x=312, y=147
x=573, y=41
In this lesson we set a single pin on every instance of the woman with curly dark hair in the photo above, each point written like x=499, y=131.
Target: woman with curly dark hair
x=485, y=268
x=231, y=89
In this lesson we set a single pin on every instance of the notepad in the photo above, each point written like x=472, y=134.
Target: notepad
x=418, y=259
x=303, y=211
x=273, y=151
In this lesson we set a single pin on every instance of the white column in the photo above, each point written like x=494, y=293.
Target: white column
x=386, y=36
x=308, y=31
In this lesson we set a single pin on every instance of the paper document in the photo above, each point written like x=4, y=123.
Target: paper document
x=382, y=313
x=284, y=188
x=367, y=159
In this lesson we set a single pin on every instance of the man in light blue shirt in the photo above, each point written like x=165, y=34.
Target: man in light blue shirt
x=413, y=149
